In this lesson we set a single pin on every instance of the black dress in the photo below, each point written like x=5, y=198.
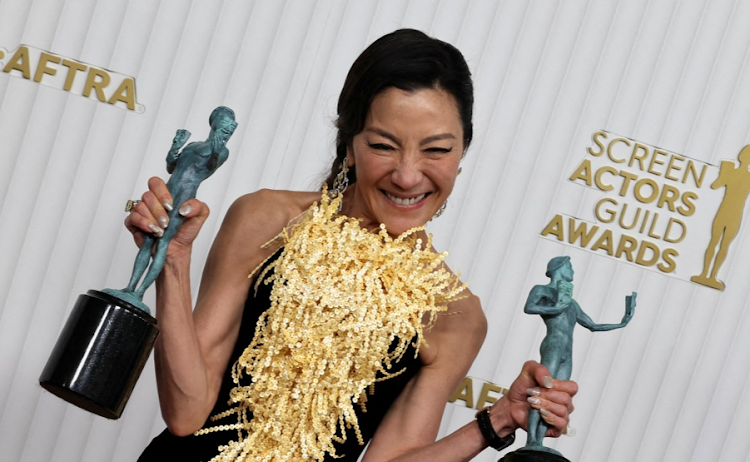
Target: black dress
x=167, y=447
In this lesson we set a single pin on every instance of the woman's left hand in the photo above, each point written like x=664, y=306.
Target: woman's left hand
x=534, y=388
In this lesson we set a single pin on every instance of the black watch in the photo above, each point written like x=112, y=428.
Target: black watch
x=492, y=438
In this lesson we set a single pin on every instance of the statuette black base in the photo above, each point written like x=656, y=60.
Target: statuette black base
x=525, y=455
x=100, y=354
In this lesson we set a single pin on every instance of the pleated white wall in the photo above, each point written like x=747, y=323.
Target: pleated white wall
x=548, y=73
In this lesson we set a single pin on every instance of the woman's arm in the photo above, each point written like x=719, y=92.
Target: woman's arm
x=193, y=348
x=409, y=429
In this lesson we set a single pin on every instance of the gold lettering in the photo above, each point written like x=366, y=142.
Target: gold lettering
x=555, y=227
x=641, y=260
x=612, y=213
x=97, y=80
x=687, y=199
x=639, y=190
x=43, y=69
x=627, y=177
x=73, y=66
x=20, y=62
x=645, y=221
x=598, y=178
x=627, y=245
x=604, y=242
x=655, y=161
x=583, y=172
x=697, y=179
x=609, y=150
x=635, y=157
x=581, y=231
x=670, y=263
x=675, y=240
x=595, y=138
x=484, y=395
x=464, y=392
x=668, y=195
x=671, y=167
x=125, y=93
x=651, y=232
x=635, y=218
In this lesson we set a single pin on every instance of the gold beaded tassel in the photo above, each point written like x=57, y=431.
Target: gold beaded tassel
x=341, y=295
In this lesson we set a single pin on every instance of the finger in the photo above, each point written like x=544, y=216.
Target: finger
x=568, y=387
x=158, y=214
x=193, y=208
x=143, y=220
x=547, y=407
x=563, y=398
x=138, y=235
x=159, y=188
x=542, y=376
x=556, y=422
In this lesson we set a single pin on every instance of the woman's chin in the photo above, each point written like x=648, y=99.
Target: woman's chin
x=398, y=227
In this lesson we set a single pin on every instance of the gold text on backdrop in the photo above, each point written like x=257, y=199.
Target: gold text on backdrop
x=70, y=75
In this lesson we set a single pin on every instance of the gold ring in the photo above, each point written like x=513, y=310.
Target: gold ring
x=130, y=205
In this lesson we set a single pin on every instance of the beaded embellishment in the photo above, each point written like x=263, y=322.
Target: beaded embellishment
x=341, y=296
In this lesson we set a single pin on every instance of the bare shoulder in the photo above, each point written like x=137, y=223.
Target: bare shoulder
x=271, y=209
x=468, y=318
x=257, y=218
x=458, y=333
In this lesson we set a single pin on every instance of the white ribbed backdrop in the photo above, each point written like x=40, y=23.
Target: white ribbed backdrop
x=548, y=74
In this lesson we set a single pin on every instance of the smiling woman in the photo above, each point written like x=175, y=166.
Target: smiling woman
x=407, y=157
x=324, y=352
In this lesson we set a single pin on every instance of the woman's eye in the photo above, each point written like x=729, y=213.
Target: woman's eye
x=380, y=146
x=439, y=150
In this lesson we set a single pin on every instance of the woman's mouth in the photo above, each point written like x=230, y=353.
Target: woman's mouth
x=404, y=201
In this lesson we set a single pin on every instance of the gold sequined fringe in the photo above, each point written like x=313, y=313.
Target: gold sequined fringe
x=341, y=296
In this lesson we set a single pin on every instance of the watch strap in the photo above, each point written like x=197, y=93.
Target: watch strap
x=493, y=439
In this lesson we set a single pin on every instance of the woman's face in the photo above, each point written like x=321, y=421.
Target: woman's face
x=406, y=158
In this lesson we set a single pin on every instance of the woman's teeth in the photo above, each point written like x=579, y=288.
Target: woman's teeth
x=405, y=201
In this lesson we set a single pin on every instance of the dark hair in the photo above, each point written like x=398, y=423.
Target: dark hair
x=408, y=60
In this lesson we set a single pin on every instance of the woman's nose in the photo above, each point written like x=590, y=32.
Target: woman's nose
x=407, y=174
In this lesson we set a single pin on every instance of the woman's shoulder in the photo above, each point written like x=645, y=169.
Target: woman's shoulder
x=272, y=208
x=458, y=333
x=257, y=218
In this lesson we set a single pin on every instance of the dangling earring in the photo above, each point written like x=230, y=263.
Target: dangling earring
x=340, y=183
x=440, y=210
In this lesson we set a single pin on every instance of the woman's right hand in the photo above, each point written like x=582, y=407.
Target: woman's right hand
x=151, y=217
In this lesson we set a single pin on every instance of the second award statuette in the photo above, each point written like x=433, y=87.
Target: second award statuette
x=108, y=336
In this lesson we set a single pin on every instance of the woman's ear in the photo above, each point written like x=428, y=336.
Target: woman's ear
x=349, y=156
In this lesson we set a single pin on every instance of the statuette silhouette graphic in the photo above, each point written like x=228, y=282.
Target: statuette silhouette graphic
x=560, y=312
x=726, y=224
x=108, y=337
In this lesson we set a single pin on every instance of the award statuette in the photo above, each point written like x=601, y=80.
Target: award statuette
x=109, y=335
x=554, y=302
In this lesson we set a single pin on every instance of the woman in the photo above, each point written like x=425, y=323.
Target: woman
x=404, y=125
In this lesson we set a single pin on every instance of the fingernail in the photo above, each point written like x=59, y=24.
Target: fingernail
x=167, y=205
x=547, y=381
x=570, y=431
x=534, y=400
x=156, y=230
x=533, y=391
x=163, y=221
x=185, y=210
